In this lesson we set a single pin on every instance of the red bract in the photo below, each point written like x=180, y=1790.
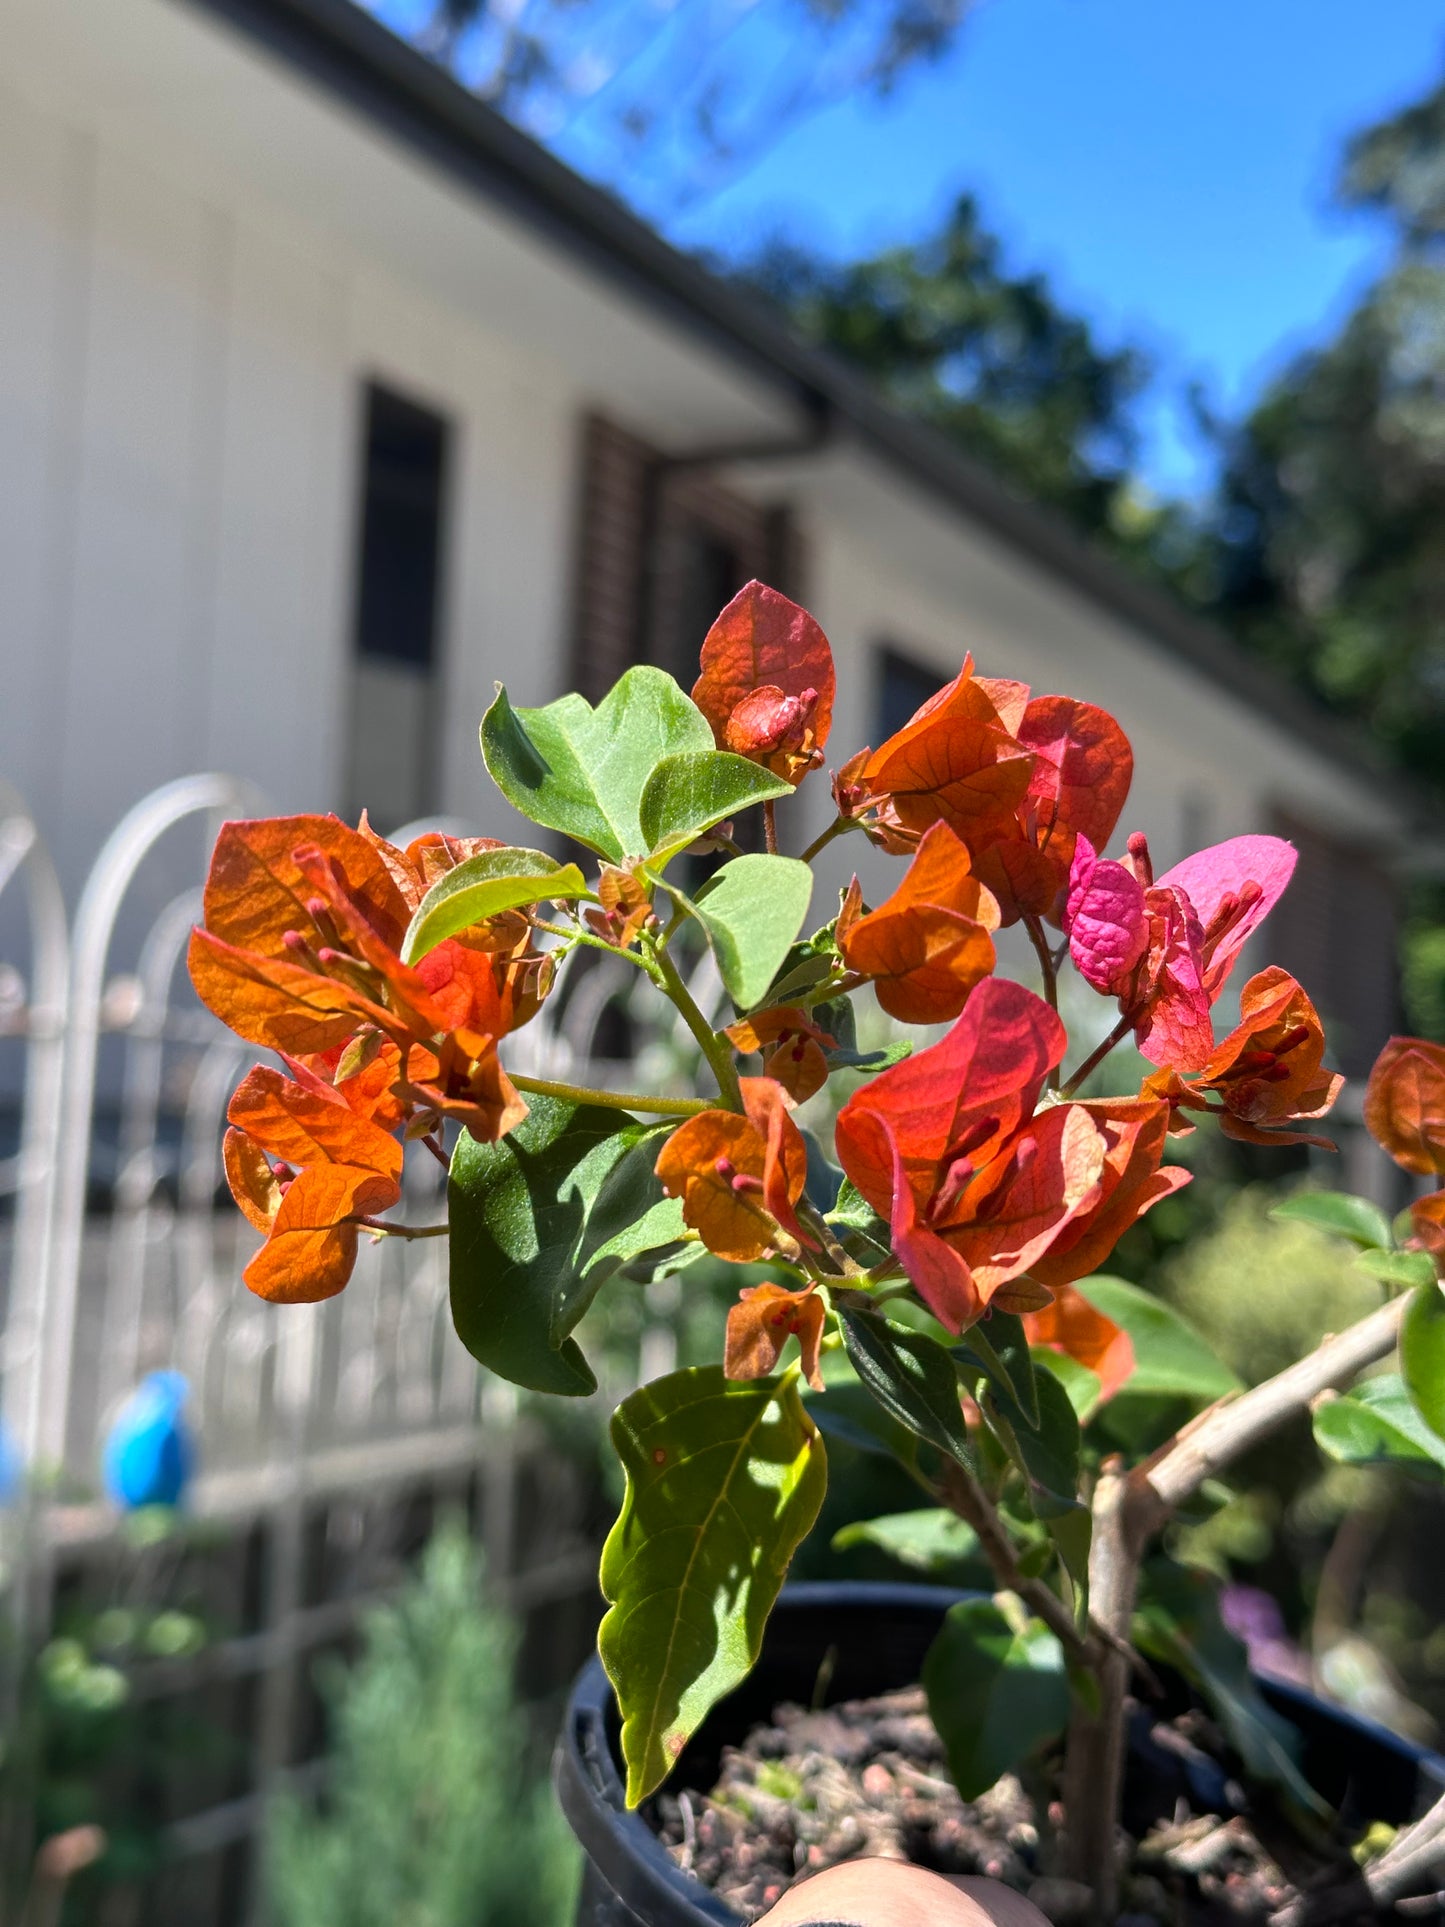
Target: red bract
x=767, y=682
x=1016, y=778
x=930, y=943
x=1133, y=1180
x=1268, y=1073
x=948, y=1147
x=740, y=1178
x=333, y=1165
x=1165, y=949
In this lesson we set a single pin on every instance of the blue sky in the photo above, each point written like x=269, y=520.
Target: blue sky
x=1167, y=162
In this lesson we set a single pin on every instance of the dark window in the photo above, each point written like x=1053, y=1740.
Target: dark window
x=711, y=570
x=903, y=687
x=401, y=525
x=403, y=488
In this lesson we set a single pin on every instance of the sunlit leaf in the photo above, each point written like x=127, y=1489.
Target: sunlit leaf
x=581, y=770
x=1422, y=1354
x=1336, y=1211
x=751, y=910
x=692, y=792
x=1377, y=1424
x=723, y=1482
x=482, y=887
x=931, y=1540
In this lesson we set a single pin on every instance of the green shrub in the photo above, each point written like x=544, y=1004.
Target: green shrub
x=434, y=1813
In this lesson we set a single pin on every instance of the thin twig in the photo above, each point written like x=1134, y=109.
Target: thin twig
x=770, y=826
x=389, y=1230
x=963, y=1495
x=1096, y=1056
x=436, y=1150
x=1046, y=959
x=612, y=1100
x=838, y=827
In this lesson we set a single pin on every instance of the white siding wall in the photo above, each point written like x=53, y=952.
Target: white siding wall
x=202, y=261
x=179, y=415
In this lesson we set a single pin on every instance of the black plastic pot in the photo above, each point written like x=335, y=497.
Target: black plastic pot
x=874, y=1638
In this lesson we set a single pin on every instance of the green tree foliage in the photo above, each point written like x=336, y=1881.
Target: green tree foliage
x=989, y=357
x=1330, y=535
x=433, y=1816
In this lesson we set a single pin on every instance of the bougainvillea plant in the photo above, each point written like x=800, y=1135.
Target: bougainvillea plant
x=935, y=1287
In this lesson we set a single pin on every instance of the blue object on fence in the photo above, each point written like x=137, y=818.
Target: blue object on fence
x=149, y=1453
x=12, y=1465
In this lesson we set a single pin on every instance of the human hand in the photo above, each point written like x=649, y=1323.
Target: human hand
x=891, y=1893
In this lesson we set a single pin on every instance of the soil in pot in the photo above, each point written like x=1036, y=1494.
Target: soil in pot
x=807, y=1789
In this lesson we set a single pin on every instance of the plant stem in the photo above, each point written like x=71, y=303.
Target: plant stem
x=966, y=1498
x=1046, y=960
x=770, y=826
x=431, y=1143
x=400, y=1230
x=1096, y=1056
x=1094, y=1752
x=614, y=1100
x=1129, y=1508
x=812, y=1217
x=717, y=1050
x=838, y=827
x=585, y=936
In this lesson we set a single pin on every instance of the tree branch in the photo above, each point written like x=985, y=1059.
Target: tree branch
x=1230, y=1427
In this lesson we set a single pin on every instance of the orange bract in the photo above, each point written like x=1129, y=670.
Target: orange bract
x=930, y=943
x=1131, y=1182
x=792, y=1047
x=767, y=682
x=1269, y=1071
x=760, y=1325
x=1071, y=1325
x=333, y=1165
x=739, y=1178
x=1405, y=1104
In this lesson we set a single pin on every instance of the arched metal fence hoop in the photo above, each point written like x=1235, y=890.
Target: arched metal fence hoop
x=41, y=1014
x=132, y=840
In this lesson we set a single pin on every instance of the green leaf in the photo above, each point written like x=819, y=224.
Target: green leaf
x=1169, y=1355
x=631, y=1214
x=482, y=887
x=1336, y=1211
x=836, y=1016
x=691, y=792
x=1422, y=1354
x=849, y=1414
x=1177, y=1621
x=1377, y=1424
x=1048, y=1457
x=997, y=1691
x=582, y=770
x=911, y=1377
x=752, y=909
x=931, y=1540
x=522, y=1270
x=801, y=968
x=723, y=1482
x=1002, y=1355
x=1407, y=1268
